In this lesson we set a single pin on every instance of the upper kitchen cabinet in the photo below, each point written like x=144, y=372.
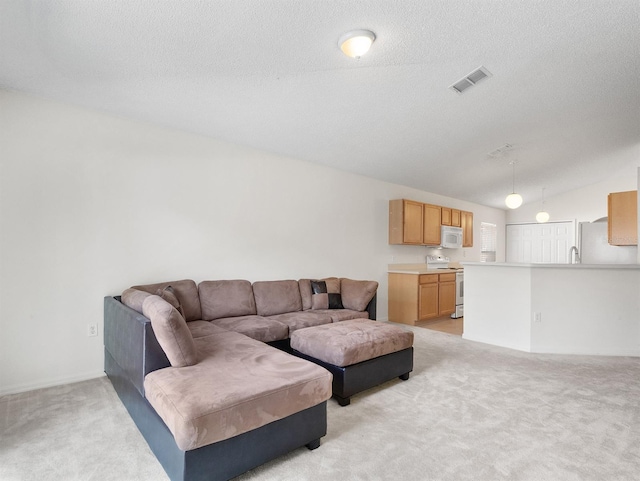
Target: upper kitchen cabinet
x=405, y=222
x=467, y=228
x=415, y=223
x=623, y=218
x=431, y=224
x=450, y=217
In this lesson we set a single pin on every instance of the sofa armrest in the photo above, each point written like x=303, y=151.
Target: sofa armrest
x=371, y=307
x=131, y=342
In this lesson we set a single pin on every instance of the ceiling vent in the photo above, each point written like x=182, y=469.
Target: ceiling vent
x=470, y=80
x=500, y=151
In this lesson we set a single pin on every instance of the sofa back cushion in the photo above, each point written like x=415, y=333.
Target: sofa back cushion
x=231, y=298
x=277, y=297
x=171, y=331
x=185, y=291
x=134, y=298
x=356, y=295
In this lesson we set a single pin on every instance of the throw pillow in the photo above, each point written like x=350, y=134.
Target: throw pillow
x=171, y=331
x=169, y=295
x=326, y=294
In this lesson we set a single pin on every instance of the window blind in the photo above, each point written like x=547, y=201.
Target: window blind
x=489, y=238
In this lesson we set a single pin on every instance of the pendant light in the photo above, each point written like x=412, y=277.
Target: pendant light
x=513, y=200
x=542, y=216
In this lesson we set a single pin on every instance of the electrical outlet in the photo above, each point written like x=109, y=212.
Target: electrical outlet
x=92, y=330
x=537, y=317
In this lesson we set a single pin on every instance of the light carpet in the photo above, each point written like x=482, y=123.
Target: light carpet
x=468, y=412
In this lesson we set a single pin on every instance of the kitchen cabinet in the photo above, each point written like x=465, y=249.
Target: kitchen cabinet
x=455, y=218
x=431, y=224
x=415, y=223
x=420, y=297
x=467, y=228
x=623, y=218
x=446, y=293
x=405, y=222
x=427, y=296
x=445, y=218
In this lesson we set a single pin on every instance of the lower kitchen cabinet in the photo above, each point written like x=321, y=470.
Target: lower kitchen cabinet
x=420, y=297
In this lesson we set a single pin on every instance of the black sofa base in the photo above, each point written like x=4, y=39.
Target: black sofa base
x=225, y=459
x=350, y=380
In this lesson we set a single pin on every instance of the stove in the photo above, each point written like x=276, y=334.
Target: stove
x=437, y=262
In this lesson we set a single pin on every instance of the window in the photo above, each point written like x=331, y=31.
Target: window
x=489, y=236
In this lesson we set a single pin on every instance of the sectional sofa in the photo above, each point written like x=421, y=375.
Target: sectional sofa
x=205, y=374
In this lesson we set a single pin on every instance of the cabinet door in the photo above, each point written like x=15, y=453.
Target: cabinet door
x=467, y=229
x=446, y=298
x=428, y=301
x=412, y=233
x=445, y=218
x=431, y=225
x=405, y=222
x=623, y=218
x=455, y=217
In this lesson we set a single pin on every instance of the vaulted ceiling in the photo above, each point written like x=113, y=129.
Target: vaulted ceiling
x=564, y=89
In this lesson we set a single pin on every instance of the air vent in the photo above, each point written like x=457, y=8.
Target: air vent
x=500, y=151
x=470, y=80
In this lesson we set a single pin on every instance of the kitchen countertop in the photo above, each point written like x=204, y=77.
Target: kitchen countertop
x=419, y=269
x=555, y=266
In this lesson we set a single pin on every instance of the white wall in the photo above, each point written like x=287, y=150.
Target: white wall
x=91, y=204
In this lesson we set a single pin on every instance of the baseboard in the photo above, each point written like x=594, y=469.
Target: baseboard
x=20, y=388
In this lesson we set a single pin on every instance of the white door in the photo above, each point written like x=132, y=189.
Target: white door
x=540, y=243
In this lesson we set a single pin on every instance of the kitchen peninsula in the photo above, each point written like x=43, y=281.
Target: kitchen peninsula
x=554, y=308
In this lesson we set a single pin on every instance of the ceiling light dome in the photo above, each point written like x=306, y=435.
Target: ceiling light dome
x=356, y=43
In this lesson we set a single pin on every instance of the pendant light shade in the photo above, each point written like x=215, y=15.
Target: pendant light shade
x=513, y=200
x=356, y=43
x=542, y=216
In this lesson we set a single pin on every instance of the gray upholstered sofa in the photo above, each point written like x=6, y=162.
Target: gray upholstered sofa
x=198, y=370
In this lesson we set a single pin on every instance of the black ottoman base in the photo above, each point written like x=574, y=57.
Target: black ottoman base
x=350, y=380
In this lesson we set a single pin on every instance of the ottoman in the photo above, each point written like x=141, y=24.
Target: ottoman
x=360, y=353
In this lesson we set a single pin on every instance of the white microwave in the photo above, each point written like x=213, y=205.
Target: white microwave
x=451, y=237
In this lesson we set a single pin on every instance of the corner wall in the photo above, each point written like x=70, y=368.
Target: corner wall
x=91, y=204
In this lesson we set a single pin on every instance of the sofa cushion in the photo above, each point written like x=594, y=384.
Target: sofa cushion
x=239, y=384
x=276, y=297
x=305, y=293
x=171, y=331
x=326, y=294
x=256, y=327
x=187, y=293
x=227, y=298
x=356, y=295
x=302, y=319
x=203, y=329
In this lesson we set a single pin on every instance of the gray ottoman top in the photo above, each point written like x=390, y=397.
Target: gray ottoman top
x=349, y=342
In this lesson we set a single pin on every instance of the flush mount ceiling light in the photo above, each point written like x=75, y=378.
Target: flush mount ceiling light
x=542, y=216
x=356, y=43
x=513, y=200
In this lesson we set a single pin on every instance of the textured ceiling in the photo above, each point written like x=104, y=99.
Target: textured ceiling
x=564, y=91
